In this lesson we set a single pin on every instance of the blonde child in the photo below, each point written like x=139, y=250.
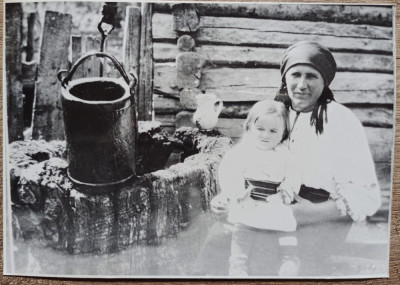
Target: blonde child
x=260, y=156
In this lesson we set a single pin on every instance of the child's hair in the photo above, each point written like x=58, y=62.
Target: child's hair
x=267, y=107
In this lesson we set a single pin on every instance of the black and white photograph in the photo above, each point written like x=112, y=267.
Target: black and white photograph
x=197, y=139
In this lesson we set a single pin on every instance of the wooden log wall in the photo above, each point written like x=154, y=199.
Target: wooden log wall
x=13, y=41
x=242, y=45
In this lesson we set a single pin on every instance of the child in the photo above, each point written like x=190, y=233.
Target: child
x=260, y=158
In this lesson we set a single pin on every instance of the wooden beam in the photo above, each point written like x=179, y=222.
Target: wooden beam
x=47, y=120
x=253, y=32
x=145, y=89
x=351, y=14
x=13, y=68
x=257, y=57
x=245, y=84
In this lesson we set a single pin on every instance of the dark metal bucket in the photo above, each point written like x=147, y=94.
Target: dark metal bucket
x=100, y=126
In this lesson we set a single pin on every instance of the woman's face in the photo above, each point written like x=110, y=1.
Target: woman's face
x=305, y=85
x=267, y=131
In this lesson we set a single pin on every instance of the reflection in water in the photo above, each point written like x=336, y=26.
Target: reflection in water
x=365, y=252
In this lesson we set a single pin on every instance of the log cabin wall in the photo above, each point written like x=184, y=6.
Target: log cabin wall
x=242, y=45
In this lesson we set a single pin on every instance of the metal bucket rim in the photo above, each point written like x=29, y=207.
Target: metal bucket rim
x=68, y=96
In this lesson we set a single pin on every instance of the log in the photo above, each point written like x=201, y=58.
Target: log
x=185, y=43
x=188, y=98
x=242, y=84
x=375, y=116
x=166, y=120
x=145, y=87
x=256, y=57
x=371, y=116
x=253, y=32
x=380, y=139
x=47, y=119
x=188, y=69
x=13, y=68
x=166, y=105
x=350, y=14
x=185, y=17
x=131, y=41
x=383, y=172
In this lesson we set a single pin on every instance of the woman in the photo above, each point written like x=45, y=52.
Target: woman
x=327, y=141
x=329, y=146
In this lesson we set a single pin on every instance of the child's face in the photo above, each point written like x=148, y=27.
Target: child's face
x=267, y=131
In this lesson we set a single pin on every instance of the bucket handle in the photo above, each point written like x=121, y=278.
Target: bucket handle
x=65, y=80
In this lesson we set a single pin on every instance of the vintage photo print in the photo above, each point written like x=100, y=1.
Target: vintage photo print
x=197, y=140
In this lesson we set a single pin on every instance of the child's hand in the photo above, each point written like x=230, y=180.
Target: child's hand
x=243, y=195
x=287, y=196
x=219, y=205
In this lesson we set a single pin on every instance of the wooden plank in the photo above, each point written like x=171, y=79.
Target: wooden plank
x=270, y=57
x=145, y=88
x=257, y=34
x=354, y=14
x=47, y=119
x=131, y=40
x=13, y=68
x=243, y=84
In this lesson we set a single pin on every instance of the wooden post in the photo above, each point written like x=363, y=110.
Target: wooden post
x=13, y=71
x=77, y=52
x=91, y=66
x=47, y=120
x=33, y=37
x=131, y=41
x=145, y=92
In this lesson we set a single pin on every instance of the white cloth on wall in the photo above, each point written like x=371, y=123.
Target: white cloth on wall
x=338, y=160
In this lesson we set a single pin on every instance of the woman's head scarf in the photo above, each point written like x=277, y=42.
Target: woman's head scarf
x=313, y=54
x=319, y=57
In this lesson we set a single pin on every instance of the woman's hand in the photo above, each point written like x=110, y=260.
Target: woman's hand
x=307, y=213
x=219, y=206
